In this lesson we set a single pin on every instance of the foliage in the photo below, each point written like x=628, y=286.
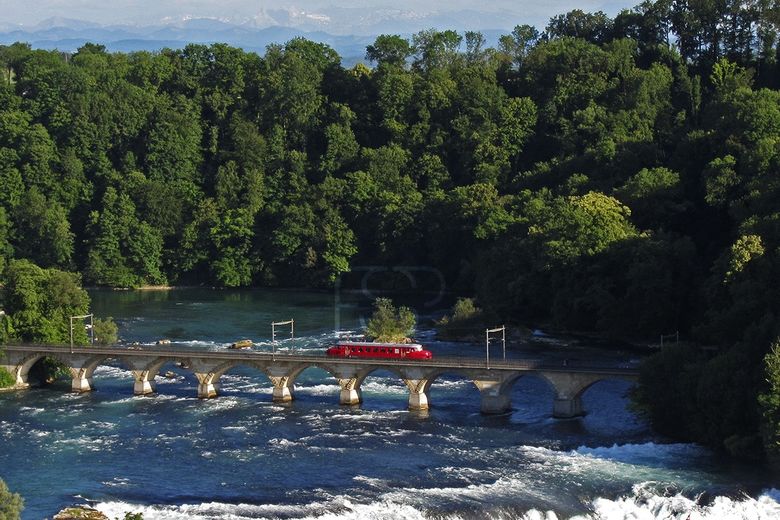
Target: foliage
x=41, y=301
x=465, y=309
x=390, y=324
x=770, y=399
x=11, y=504
x=666, y=382
x=106, y=331
x=6, y=328
x=465, y=319
x=6, y=378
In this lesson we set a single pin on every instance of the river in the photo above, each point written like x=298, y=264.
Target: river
x=240, y=456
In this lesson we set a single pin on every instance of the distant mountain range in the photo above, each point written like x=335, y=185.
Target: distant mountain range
x=331, y=26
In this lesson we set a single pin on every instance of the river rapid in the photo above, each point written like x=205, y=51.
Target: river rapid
x=240, y=456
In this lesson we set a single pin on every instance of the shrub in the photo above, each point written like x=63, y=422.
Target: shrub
x=106, y=331
x=389, y=324
x=11, y=504
x=770, y=401
x=6, y=379
x=465, y=321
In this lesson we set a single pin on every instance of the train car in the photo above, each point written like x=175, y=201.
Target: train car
x=356, y=349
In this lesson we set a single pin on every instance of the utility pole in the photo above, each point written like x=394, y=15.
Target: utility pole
x=488, y=332
x=274, y=324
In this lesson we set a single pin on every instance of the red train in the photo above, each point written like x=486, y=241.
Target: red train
x=356, y=349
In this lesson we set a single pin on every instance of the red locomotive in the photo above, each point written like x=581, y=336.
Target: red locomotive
x=356, y=349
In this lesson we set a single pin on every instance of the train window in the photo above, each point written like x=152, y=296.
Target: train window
x=396, y=351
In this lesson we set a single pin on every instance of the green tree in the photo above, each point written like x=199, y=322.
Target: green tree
x=593, y=27
x=518, y=44
x=578, y=226
x=6, y=379
x=435, y=49
x=6, y=250
x=654, y=196
x=6, y=328
x=106, y=331
x=41, y=301
x=389, y=49
x=390, y=324
x=43, y=231
x=11, y=504
x=123, y=251
x=173, y=141
x=770, y=400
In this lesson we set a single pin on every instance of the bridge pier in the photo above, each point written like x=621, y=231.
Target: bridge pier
x=207, y=387
x=81, y=384
x=350, y=392
x=567, y=407
x=419, y=397
x=207, y=390
x=495, y=397
x=283, y=391
x=144, y=383
x=569, y=387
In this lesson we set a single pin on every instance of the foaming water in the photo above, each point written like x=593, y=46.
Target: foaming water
x=643, y=503
x=240, y=456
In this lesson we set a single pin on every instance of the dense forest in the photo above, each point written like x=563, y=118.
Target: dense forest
x=618, y=176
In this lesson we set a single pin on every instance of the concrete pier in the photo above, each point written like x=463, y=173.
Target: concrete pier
x=81, y=384
x=418, y=394
x=350, y=393
x=566, y=408
x=207, y=390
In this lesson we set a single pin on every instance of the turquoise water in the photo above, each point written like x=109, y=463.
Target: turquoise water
x=239, y=456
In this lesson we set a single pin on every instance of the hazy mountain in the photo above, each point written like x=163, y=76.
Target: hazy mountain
x=273, y=26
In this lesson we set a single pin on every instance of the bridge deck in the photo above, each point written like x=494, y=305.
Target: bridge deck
x=441, y=362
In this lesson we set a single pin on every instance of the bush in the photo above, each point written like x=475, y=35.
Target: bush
x=666, y=393
x=770, y=401
x=106, y=331
x=465, y=309
x=389, y=324
x=6, y=379
x=465, y=321
x=6, y=328
x=11, y=504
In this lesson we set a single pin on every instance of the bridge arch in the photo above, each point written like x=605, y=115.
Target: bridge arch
x=298, y=370
x=412, y=384
x=209, y=375
x=604, y=379
x=338, y=379
x=22, y=369
x=362, y=374
x=435, y=375
x=570, y=386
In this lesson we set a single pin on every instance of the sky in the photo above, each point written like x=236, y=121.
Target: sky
x=151, y=12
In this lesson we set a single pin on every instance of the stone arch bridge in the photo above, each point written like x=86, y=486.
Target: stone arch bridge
x=494, y=381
